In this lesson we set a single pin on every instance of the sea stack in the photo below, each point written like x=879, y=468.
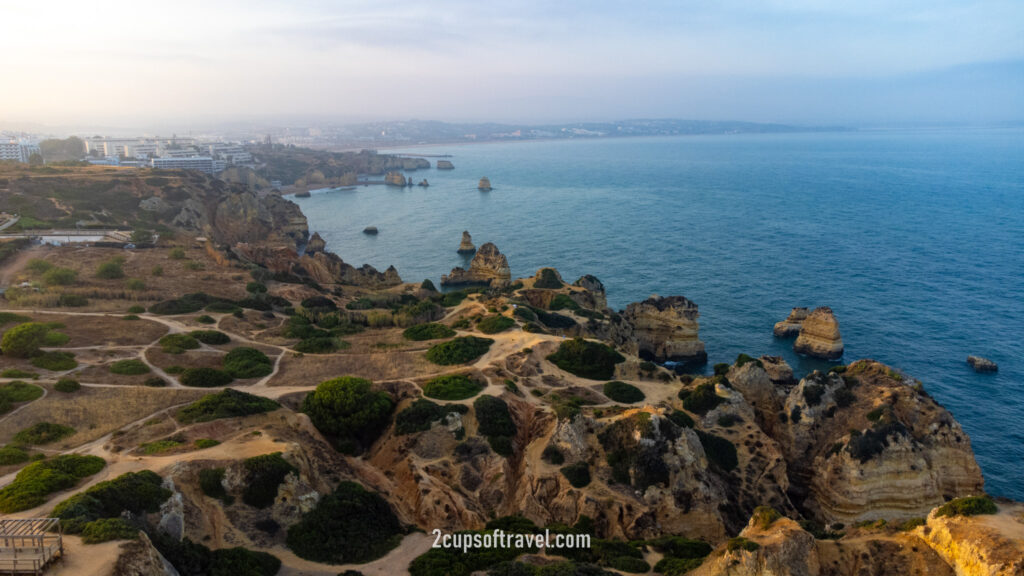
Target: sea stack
x=661, y=329
x=424, y=183
x=315, y=244
x=484, y=185
x=466, y=246
x=394, y=179
x=819, y=335
x=371, y=230
x=489, y=268
x=791, y=325
x=982, y=364
x=445, y=165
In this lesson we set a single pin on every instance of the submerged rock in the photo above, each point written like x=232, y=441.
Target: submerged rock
x=982, y=364
x=819, y=335
x=484, y=185
x=445, y=165
x=791, y=325
x=489, y=267
x=371, y=230
x=466, y=246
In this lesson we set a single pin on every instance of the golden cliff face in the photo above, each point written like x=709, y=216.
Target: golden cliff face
x=489, y=266
x=662, y=329
x=819, y=335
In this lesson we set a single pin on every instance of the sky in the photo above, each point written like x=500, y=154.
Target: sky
x=794, y=61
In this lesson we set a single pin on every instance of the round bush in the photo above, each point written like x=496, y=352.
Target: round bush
x=67, y=385
x=459, y=350
x=211, y=337
x=350, y=526
x=247, y=363
x=205, y=378
x=43, y=433
x=622, y=392
x=178, y=343
x=24, y=340
x=428, y=331
x=452, y=387
x=494, y=324
x=349, y=411
x=578, y=474
x=493, y=417
x=129, y=367
x=586, y=359
x=206, y=319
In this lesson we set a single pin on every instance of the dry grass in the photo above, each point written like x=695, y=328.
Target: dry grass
x=311, y=369
x=101, y=374
x=255, y=327
x=93, y=412
x=189, y=359
x=105, y=330
x=389, y=339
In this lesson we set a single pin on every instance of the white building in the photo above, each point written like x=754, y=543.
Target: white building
x=200, y=163
x=18, y=151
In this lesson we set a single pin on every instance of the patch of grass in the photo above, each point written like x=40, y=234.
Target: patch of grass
x=17, y=373
x=178, y=343
x=245, y=362
x=765, y=516
x=967, y=506
x=452, y=387
x=107, y=529
x=740, y=543
x=350, y=525
x=591, y=360
x=18, y=391
x=67, y=385
x=43, y=433
x=159, y=446
x=60, y=277
x=38, y=266
x=563, y=302
x=211, y=337
x=623, y=393
x=13, y=454
x=55, y=361
x=155, y=382
x=9, y=317
x=459, y=350
x=320, y=345
x=225, y=404
x=40, y=479
x=203, y=443
x=744, y=359
x=129, y=367
x=204, y=377
x=136, y=309
x=494, y=324
x=176, y=254
x=577, y=474
x=548, y=279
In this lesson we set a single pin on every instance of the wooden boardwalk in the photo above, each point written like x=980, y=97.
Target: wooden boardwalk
x=28, y=546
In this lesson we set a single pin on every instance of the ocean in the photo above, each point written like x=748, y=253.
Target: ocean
x=914, y=238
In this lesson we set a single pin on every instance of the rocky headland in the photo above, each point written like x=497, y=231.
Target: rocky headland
x=489, y=267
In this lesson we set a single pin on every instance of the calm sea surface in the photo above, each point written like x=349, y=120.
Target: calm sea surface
x=915, y=239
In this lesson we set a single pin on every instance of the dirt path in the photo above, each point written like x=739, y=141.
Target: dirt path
x=14, y=265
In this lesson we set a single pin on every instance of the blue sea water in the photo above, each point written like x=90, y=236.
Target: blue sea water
x=914, y=238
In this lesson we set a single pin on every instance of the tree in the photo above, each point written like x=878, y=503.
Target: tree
x=24, y=340
x=36, y=159
x=350, y=411
x=142, y=236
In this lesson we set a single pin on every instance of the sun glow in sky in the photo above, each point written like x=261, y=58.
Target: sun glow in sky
x=776, y=60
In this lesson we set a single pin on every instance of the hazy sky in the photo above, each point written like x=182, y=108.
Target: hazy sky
x=129, y=63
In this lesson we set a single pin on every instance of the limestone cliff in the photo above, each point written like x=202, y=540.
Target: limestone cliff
x=593, y=295
x=819, y=335
x=395, y=178
x=661, y=329
x=328, y=268
x=791, y=325
x=315, y=244
x=488, y=267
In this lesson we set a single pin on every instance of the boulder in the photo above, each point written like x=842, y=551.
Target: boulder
x=484, y=185
x=424, y=183
x=819, y=335
x=445, y=165
x=371, y=230
x=489, y=267
x=466, y=246
x=661, y=329
x=982, y=364
x=791, y=325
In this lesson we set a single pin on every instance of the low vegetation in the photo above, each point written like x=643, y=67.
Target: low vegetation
x=494, y=324
x=263, y=475
x=586, y=359
x=702, y=399
x=192, y=559
x=428, y=331
x=459, y=350
x=452, y=387
x=349, y=412
x=967, y=506
x=135, y=492
x=204, y=377
x=623, y=393
x=211, y=337
x=67, y=385
x=211, y=482
x=130, y=367
x=15, y=392
x=55, y=361
x=495, y=422
x=178, y=343
x=245, y=362
x=40, y=479
x=720, y=452
x=577, y=474
x=227, y=403
x=349, y=526
x=43, y=433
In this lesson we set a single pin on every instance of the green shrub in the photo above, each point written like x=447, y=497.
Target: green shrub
x=154, y=382
x=135, y=492
x=967, y=506
x=111, y=269
x=129, y=367
x=494, y=324
x=225, y=404
x=263, y=475
x=349, y=411
x=9, y=317
x=419, y=415
x=813, y=394
x=630, y=564
x=493, y=417
x=177, y=254
x=740, y=543
x=677, y=566
x=350, y=526
x=703, y=399
x=72, y=300
x=134, y=284
x=203, y=377
x=211, y=482
x=43, y=433
x=679, y=547
x=909, y=525
x=189, y=303
x=578, y=474
x=720, y=452
x=552, y=455
x=721, y=369
x=743, y=359
x=458, y=350
x=194, y=265
x=106, y=529
x=452, y=387
x=320, y=345
x=204, y=443
x=247, y=363
x=60, y=277
x=205, y=319
x=157, y=271
x=765, y=516
x=622, y=392
x=191, y=559
x=548, y=279
x=178, y=343
x=136, y=309
x=553, y=320
x=55, y=361
x=24, y=340
x=159, y=446
x=12, y=455
x=18, y=391
x=67, y=385
x=727, y=420
x=681, y=418
x=501, y=445
x=586, y=359
x=563, y=302
x=876, y=414
x=211, y=337
x=38, y=266
x=38, y=480
x=255, y=287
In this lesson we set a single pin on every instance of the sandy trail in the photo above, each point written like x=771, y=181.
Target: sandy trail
x=14, y=265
